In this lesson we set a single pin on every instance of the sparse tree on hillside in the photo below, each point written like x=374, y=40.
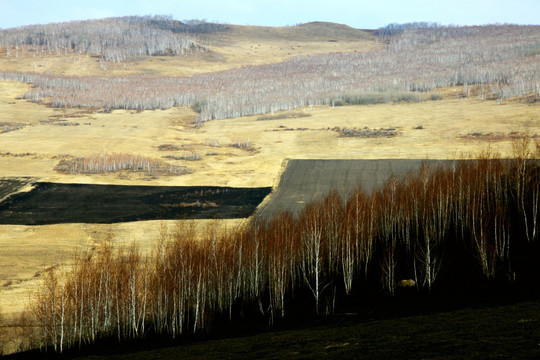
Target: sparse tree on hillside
x=280, y=247
x=314, y=251
x=388, y=214
x=358, y=236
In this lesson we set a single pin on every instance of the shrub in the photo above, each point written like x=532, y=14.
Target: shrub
x=199, y=106
x=9, y=126
x=368, y=133
x=435, y=96
x=188, y=155
x=168, y=147
x=246, y=145
x=372, y=98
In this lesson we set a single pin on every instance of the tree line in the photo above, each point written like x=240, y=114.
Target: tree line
x=488, y=61
x=115, y=162
x=468, y=222
x=393, y=29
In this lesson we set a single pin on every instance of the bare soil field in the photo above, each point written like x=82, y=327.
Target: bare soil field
x=14, y=186
x=305, y=181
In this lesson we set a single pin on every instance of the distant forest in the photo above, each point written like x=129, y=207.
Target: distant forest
x=115, y=39
x=494, y=62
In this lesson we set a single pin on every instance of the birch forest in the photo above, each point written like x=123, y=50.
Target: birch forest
x=493, y=62
x=462, y=225
x=113, y=39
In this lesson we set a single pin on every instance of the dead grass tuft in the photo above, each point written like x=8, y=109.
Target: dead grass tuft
x=10, y=126
x=245, y=145
x=368, y=133
x=168, y=147
x=495, y=136
x=293, y=115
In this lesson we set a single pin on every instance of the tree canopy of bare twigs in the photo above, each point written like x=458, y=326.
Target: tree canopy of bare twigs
x=494, y=61
x=114, y=39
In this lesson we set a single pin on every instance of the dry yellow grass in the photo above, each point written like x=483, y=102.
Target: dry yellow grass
x=35, y=149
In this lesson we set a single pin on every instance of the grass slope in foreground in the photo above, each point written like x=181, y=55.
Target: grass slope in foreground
x=497, y=331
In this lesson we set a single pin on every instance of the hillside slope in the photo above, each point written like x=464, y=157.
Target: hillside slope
x=226, y=47
x=508, y=331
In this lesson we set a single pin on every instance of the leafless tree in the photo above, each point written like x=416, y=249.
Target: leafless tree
x=486, y=61
x=314, y=251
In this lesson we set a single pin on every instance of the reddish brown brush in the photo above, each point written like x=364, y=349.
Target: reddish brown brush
x=483, y=211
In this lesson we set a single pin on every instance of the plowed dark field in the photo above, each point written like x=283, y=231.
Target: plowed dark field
x=304, y=181
x=52, y=203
